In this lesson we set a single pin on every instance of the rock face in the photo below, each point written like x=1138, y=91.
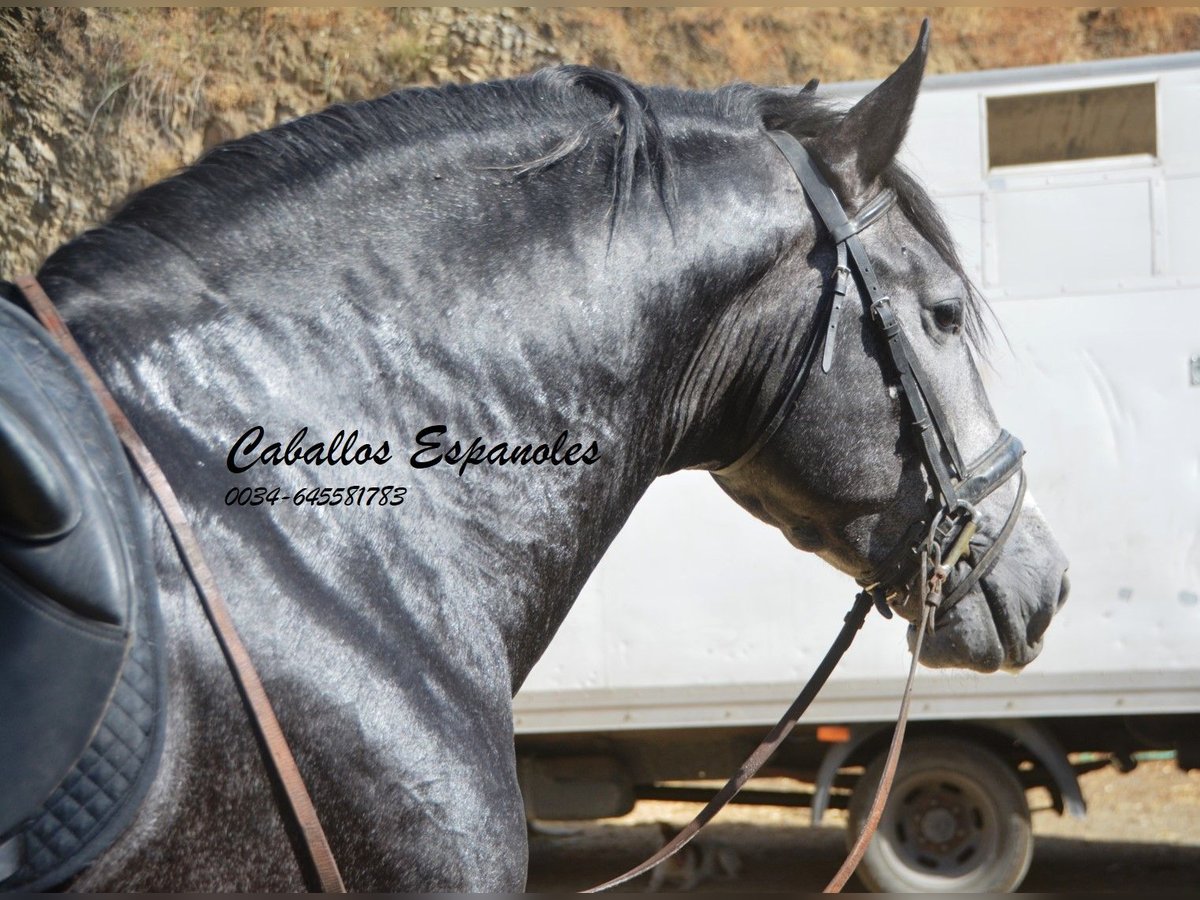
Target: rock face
x=95, y=103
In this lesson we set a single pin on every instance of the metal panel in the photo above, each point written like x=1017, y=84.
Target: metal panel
x=670, y=587
x=849, y=700
x=929, y=150
x=1183, y=225
x=1112, y=70
x=1097, y=384
x=963, y=215
x=1073, y=236
x=1179, y=100
x=1098, y=389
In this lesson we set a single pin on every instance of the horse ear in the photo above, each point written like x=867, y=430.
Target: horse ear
x=858, y=149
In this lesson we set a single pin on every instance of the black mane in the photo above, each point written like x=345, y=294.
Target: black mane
x=591, y=107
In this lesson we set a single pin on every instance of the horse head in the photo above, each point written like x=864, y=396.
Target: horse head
x=859, y=461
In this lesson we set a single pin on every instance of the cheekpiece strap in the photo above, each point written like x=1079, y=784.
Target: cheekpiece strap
x=840, y=226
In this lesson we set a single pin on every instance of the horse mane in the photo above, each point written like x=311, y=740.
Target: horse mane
x=639, y=136
x=611, y=114
x=345, y=135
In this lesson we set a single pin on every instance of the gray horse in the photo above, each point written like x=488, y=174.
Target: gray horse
x=485, y=265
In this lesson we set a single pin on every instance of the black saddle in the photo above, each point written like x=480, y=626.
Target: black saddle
x=80, y=675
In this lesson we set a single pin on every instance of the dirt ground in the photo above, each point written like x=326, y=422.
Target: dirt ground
x=1142, y=833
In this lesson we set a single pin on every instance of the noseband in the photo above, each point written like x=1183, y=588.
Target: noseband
x=933, y=544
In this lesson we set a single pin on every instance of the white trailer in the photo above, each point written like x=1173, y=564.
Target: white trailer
x=1074, y=194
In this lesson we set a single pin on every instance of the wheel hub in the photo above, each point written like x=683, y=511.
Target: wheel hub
x=939, y=827
x=957, y=820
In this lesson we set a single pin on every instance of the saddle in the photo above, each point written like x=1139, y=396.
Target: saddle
x=99, y=796
x=81, y=675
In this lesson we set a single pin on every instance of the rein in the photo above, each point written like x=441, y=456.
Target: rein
x=755, y=761
x=922, y=562
x=277, y=756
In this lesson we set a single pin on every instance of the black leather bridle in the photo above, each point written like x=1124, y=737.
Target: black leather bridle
x=934, y=543
x=912, y=576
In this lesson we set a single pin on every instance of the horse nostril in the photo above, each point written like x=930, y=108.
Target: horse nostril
x=1063, y=590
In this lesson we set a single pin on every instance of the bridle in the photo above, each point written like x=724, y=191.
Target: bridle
x=917, y=569
x=913, y=575
x=946, y=529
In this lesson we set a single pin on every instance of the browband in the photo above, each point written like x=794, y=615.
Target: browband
x=882, y=202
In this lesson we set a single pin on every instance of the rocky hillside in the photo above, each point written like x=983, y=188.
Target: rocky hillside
x=97, y=102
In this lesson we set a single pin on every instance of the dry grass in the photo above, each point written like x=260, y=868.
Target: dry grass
x=174, y=67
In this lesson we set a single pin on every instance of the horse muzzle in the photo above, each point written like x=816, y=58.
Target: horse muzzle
x=1000, y=622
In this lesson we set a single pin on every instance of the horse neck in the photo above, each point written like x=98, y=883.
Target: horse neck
x=456, y=300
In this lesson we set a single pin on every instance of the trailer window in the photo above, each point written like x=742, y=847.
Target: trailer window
x=1072, y=125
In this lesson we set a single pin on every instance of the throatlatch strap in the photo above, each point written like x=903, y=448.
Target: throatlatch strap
x=277, y=755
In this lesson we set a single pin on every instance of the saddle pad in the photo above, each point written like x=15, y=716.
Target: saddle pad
x=102, y=792
x=81, y=669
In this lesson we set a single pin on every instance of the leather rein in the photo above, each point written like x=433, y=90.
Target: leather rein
x=917, y=570
x=915, y=573
x=315, y=855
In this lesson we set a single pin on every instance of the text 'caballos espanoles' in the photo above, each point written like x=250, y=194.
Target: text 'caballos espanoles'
x=433, y=447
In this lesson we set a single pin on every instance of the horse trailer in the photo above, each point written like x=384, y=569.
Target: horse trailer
x=1073, y=192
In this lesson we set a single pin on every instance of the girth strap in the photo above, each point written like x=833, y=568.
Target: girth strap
x=276, y=754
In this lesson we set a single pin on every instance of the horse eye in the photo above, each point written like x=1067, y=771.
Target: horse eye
x=949, y=315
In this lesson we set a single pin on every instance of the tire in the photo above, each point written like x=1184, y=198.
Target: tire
x=957, y=821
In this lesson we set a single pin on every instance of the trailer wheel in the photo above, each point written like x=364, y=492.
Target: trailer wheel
x=957, y=821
